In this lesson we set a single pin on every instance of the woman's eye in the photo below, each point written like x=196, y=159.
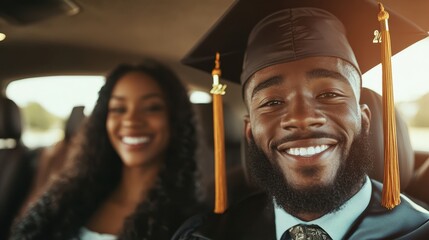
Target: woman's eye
x=154, y=108
x=117, y=109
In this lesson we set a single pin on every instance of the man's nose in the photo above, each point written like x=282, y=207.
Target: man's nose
x=301, y=114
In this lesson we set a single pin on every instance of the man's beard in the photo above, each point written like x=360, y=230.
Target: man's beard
x=316, y=199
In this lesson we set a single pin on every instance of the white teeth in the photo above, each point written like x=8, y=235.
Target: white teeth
x=135, y=140
x=308, y=151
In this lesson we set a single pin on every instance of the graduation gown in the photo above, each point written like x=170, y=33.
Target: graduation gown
x=253, y=218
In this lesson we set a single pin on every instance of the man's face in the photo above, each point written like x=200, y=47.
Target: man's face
x=304, y=116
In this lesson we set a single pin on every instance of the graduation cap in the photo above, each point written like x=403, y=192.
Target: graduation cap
x=254, y=34
x=229, y=36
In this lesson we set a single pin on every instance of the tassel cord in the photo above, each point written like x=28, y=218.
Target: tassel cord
x=391, y=183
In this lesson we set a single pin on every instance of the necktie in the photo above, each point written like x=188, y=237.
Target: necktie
x=305, y=232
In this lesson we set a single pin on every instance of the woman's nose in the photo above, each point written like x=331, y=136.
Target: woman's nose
x=133, y=118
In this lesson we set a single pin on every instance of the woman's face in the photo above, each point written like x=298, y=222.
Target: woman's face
x=137, y=120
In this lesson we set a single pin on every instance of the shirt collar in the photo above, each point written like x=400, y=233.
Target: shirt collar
x=344, y=217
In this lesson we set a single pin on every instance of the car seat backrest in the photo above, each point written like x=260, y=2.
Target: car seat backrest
x=15, y=167
x=74, y=122
x=405, y=150
x=10, y=123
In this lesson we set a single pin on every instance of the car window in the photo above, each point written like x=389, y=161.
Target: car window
x=46, y=103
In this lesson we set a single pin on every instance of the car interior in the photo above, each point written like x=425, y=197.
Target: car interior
x=77, y=37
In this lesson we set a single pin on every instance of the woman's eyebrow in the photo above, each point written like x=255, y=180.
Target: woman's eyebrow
x=152, y=95
x=117, y=97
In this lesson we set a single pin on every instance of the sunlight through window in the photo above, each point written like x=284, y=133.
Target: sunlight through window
x=46, y=103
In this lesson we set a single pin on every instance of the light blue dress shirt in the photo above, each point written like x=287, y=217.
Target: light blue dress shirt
x=335, y=224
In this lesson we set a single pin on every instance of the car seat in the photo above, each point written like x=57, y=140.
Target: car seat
x=15, y=167
x=53, y=159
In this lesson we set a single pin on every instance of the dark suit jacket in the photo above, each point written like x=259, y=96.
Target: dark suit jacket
x=253, y=218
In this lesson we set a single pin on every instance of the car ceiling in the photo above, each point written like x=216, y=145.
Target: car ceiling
x=104, y=33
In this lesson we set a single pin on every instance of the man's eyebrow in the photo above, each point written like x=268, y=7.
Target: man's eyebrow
x=276, y=80
x=325, y=73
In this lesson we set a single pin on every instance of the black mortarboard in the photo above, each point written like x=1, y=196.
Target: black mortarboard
x=230, y=35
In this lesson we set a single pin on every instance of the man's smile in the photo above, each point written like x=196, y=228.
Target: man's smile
x=307, y=151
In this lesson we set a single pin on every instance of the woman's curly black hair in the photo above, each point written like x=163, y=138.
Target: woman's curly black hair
x=75, y=195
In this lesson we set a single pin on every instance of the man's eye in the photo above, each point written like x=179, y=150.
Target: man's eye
x=272, y=103
x=328, y=95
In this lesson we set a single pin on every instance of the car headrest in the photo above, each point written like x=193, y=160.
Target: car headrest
x=10, y=120
x=405, y=150
x=204, y=113
x=74, y=121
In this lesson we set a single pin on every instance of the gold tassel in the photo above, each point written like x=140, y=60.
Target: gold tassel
x=391, y=183
x=219, y=140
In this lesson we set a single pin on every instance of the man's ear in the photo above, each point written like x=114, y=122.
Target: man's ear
x=247, y=129
x=366, y=117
